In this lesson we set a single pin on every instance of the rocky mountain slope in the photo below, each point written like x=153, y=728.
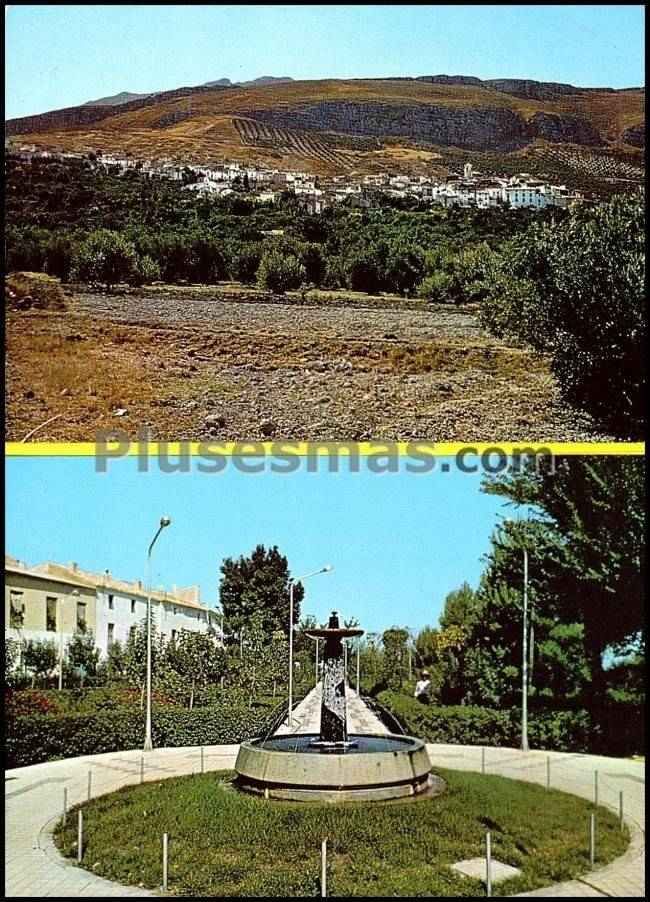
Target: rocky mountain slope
x=407, y=119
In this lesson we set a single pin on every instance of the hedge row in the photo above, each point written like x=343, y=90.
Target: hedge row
x=33, y=738
x=621, y=730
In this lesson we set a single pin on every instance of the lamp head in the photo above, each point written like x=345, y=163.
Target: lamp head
x=327, y=568
x=165, y=521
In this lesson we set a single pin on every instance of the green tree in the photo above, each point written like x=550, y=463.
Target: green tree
x=280, y=272
x=83, y=654
x=197, y=659
x=395, y=657
x=591, y=516
x=40, y=657
x=258, y=584
x=105, y=258
x=576, y=290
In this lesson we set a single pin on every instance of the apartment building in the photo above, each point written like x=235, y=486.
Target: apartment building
x=53, y=601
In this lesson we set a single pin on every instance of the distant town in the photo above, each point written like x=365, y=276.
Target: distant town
x=316, y=193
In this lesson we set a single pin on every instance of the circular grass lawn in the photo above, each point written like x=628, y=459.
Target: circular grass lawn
x=225, y=843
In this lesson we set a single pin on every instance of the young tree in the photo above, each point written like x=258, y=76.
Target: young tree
x=258, y=584
x=40, y=657
x=395, y=657
x=280, y=272
x=83, y=654
x=197, y=659
x=106, y=258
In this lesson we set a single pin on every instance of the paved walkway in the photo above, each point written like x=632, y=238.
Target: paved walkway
x=34, y=803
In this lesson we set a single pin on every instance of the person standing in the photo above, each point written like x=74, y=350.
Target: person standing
x=423, y=688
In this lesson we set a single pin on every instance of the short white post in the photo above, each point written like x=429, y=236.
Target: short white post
x=165, y=852
x=592, y=840
x=596, y=787
x=65, y=805
x=620, y=808
x=548, y=771
x=142, y=768
x=80, y=837
x=90, y=783
x=202, y=760
x=488, y=863
x=483, y=759
x=323, y=868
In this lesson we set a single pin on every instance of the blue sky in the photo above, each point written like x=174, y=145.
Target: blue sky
x=59, y=56
x=398, y=542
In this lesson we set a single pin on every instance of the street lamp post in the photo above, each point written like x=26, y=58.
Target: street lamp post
x=148, y=745
x=524, y=662
x=358, y=665
x=326, y=569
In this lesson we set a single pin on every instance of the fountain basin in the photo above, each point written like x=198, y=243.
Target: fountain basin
x=372, y=768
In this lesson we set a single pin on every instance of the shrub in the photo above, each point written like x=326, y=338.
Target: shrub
x=245, y=263
x=105, y=258
x=146, y=271
x=619, y=732
x=280, y=272
x=39, y=737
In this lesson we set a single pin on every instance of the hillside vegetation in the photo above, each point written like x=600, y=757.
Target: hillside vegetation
x=207, y=122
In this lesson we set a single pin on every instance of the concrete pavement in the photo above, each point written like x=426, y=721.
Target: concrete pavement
x=34, y=802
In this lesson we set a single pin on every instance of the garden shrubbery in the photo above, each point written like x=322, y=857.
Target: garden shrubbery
x=36, y=737
x=558, y=730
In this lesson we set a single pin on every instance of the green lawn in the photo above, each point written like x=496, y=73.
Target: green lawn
x=224, y=843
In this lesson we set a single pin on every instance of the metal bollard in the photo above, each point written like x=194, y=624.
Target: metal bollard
x=202, y=760
x=65, y=806
x=592, y=840
x=482, y=760
x=548, y=772
x=90, y=783
x=596, y=788
x=165, y=854
x=488, y=863
x=323, y=868
x=142, y=769
x=80, y=837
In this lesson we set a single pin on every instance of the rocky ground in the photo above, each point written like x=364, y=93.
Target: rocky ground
x=226, y=364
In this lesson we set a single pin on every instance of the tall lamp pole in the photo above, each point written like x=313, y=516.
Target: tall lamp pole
x=326, y=569
x=524, y=662
x=148, y=745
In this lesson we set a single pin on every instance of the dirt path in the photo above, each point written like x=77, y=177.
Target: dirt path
x=200, y=363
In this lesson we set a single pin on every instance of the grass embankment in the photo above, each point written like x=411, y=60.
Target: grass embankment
x=223, y=843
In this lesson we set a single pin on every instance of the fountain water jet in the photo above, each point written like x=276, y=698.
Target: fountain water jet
x=334, y=766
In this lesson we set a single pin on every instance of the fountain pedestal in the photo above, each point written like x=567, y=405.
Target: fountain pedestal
x=333, y=712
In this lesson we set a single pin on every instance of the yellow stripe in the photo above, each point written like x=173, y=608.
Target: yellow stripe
x=363, y=449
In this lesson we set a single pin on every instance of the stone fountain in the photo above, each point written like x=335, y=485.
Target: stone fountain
x=334, y=765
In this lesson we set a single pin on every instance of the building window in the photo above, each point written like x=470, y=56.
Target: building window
x=133, y=605
x=50, y=614
x=132, y=632
x=174, y=610
x=81, y=616
x=111, y=603
x=110, y=635
x=16, y=610
x=173, y=635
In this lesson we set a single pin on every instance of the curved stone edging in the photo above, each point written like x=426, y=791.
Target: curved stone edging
x=34, y=794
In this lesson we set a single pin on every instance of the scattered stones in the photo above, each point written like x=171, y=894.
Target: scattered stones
x=267, y=427
x=215, y=420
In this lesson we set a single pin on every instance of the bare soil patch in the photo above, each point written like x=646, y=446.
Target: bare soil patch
x=225, y=363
